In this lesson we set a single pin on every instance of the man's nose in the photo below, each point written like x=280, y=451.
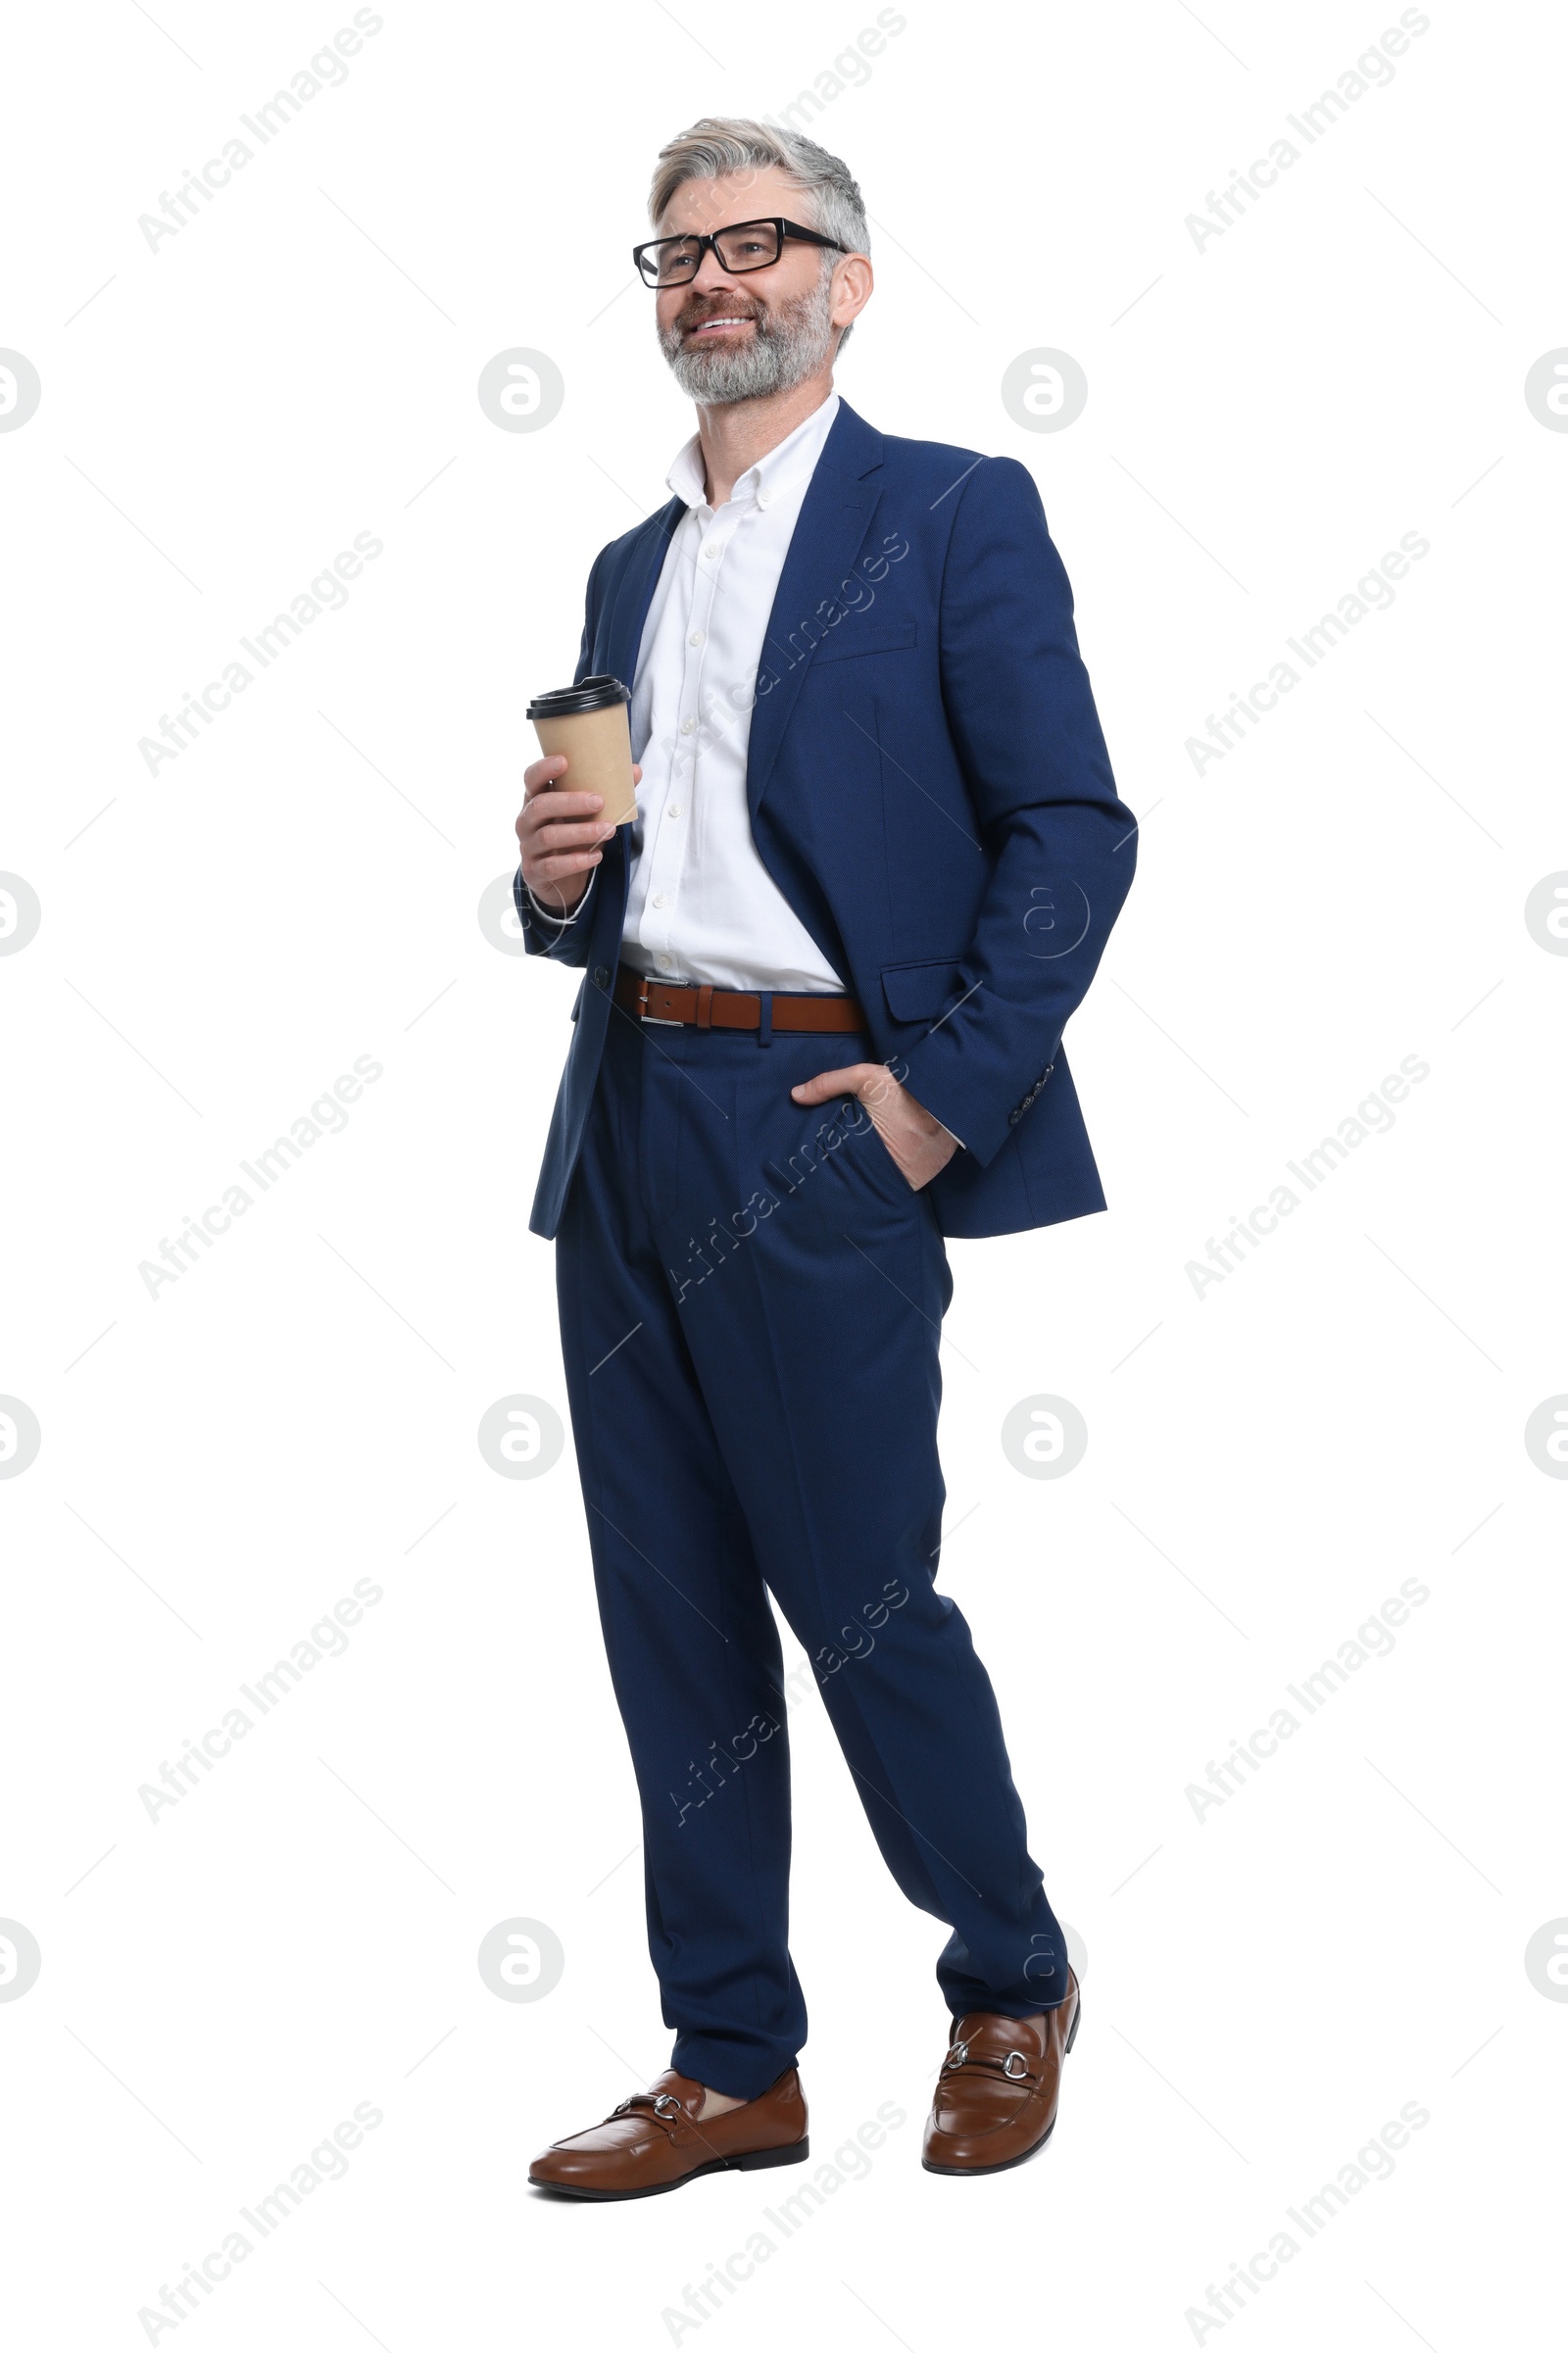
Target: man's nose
x=711, y=277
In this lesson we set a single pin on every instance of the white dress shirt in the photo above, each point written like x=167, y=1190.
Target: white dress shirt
x=701, y=906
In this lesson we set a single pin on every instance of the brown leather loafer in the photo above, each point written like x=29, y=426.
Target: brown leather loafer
x=658, y=2139
x=996, y=2097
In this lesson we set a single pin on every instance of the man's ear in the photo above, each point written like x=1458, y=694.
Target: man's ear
x=853, y=285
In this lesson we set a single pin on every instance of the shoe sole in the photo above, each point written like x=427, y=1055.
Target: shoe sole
x=958, y=2172
x=753, y=2161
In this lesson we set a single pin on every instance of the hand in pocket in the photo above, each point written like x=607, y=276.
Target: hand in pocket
x=918, y=1145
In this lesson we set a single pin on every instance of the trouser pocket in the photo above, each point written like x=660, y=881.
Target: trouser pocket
x=831, y=1171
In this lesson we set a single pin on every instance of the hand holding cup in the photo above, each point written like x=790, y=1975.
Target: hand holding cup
x=562, y=828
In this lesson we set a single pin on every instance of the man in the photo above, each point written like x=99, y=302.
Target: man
x=876, y=856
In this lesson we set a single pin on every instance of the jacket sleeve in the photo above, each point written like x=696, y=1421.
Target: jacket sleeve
x=565, y=940
x=543, y=934
x=1061, y=845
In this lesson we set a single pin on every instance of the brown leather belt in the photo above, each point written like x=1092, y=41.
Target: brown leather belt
x=732, y=1008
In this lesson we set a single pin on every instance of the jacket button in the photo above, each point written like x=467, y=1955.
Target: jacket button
x=601, y=976
x=1013, y=1118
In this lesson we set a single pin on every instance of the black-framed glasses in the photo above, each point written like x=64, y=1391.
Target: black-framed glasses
x=744, y=245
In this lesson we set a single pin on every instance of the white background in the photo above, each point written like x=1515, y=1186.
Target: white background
x=1266, y=1464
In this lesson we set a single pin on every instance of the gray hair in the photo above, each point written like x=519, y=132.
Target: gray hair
x=718, y=144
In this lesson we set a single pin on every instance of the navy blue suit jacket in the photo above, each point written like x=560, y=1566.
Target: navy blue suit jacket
x=929, y=788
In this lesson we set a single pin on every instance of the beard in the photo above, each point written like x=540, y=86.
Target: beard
x=786, y=345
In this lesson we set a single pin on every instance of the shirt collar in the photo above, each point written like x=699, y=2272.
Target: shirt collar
x=777, y=470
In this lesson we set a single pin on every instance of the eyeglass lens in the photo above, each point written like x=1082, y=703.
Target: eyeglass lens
x=749, y=245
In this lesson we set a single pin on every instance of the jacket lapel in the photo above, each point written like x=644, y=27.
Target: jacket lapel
x=634, y=593
x=621, y=640
x=835, y=516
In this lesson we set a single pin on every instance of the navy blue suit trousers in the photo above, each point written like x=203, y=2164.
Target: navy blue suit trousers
x=751, y=1296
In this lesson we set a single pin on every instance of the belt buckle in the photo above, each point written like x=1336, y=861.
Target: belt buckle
x=645, y=983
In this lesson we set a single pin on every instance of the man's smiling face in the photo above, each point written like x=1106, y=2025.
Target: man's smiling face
x=753, y=334
x=714, y=311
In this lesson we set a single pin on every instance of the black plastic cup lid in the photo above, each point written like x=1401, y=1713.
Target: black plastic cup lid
x=589, y=694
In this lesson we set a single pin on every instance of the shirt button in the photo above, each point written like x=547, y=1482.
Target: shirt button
x=762, y=497
x=660, y=898
x=673, y=810
x=664, y=963
x=696, y=638
x=688, y=727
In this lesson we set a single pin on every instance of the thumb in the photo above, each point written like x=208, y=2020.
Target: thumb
x=828, y=1084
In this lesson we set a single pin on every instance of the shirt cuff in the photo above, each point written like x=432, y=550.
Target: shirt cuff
x=552, y=914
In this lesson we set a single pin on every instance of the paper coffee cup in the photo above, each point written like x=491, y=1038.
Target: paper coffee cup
x=588, y=723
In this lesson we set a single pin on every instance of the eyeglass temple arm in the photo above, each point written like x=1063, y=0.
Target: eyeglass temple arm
x=811, y=236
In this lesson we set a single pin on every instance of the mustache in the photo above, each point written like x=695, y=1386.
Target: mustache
x=713, y=308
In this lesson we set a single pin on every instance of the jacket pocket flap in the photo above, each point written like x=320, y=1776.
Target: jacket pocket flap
x=852, y=636
x=919, y=991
